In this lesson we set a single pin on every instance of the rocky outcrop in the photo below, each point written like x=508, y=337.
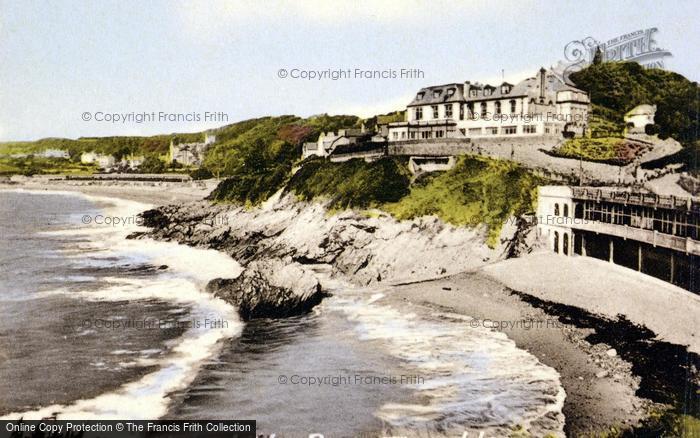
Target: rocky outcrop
x=276, y=242
x=270, y=289
x=360, y=249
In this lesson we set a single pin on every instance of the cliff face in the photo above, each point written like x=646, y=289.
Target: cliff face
x=359, y=249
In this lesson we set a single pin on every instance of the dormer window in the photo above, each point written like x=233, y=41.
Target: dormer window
x=420, y=96
x=450, y=92
x=505, y=89
x=473, y=93
x=487, y=91
x=436, y=94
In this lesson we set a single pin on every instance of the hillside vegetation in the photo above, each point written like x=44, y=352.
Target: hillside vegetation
x=116, y=146
x=617, y=87
x=476, y=191
x=353, y=183
x=257, y=155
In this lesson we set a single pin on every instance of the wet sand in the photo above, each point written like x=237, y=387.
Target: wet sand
x=614, y=371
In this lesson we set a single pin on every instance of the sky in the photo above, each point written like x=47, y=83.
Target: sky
x=66, y=67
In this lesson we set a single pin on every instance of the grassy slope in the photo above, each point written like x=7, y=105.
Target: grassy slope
x=476, y=191
x=353, y=183
x=40, y=165
x=257, y=155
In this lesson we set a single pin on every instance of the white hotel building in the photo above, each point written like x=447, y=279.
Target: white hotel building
x=540, y=105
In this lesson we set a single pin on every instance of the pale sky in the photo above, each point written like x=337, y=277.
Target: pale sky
x=60, y=59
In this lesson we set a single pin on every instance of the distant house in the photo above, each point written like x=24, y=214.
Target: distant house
x=132, y=161
x=345, y=141
x=88, y=157
x=639, y=117
x=190, y=154
x=54, y=153
x=102, y=161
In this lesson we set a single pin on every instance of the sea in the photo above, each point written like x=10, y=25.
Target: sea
x=98, y=326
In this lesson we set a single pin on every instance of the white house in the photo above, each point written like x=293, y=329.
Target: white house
x=190, y=154
x=132, y=161
x=103, y=161
x=540, y=105
x=329, y=141
x=639, y=117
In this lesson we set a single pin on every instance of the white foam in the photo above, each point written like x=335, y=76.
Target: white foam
x=183, y=283
x=473, y=377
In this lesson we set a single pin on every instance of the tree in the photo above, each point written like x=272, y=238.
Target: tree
x=152, y=164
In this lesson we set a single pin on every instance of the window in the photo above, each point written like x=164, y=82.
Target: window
x=556, y=209
x=484, y=113
x=488, y=91
x=530, y=129
x=435, y=111
x=419, y=113
x=470, y=110
x=413, y=135
x=493, y=130
x=396, y=135
x=565, y=244
x=420, y=96
x=436, y=93
x=505, y=89
x=497, y=107
x=566, y=210
x=448, y=111
x=403, y=136
x=461, y=111
x=510, y=130
x=450, y=92
x=425, y=135
x=439, y=134
x=473, y=93
x=512, y=107
x=556, y=241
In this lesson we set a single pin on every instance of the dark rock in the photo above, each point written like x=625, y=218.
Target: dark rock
x=270, y=289
x=155, y=218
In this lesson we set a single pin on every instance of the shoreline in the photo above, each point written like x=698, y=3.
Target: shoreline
x=151, y=193
x=601, y=387
x=600, y=390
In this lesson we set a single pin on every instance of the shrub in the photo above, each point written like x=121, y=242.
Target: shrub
x=152, y=164
x=201, y=173
x=353, y=183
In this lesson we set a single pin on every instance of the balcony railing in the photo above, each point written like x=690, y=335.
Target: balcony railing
x=644, y=199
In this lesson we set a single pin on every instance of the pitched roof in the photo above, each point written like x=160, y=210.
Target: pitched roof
x=439, y=94
x=527, y=87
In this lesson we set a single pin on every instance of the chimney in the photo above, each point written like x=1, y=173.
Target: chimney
x=543, y=75
x=467, y=85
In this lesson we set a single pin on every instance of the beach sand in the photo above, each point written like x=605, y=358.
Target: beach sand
x=156, y=193
x=587, y=319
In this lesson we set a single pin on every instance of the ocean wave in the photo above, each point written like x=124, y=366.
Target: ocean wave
x=474, y=379
x=189, y=270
